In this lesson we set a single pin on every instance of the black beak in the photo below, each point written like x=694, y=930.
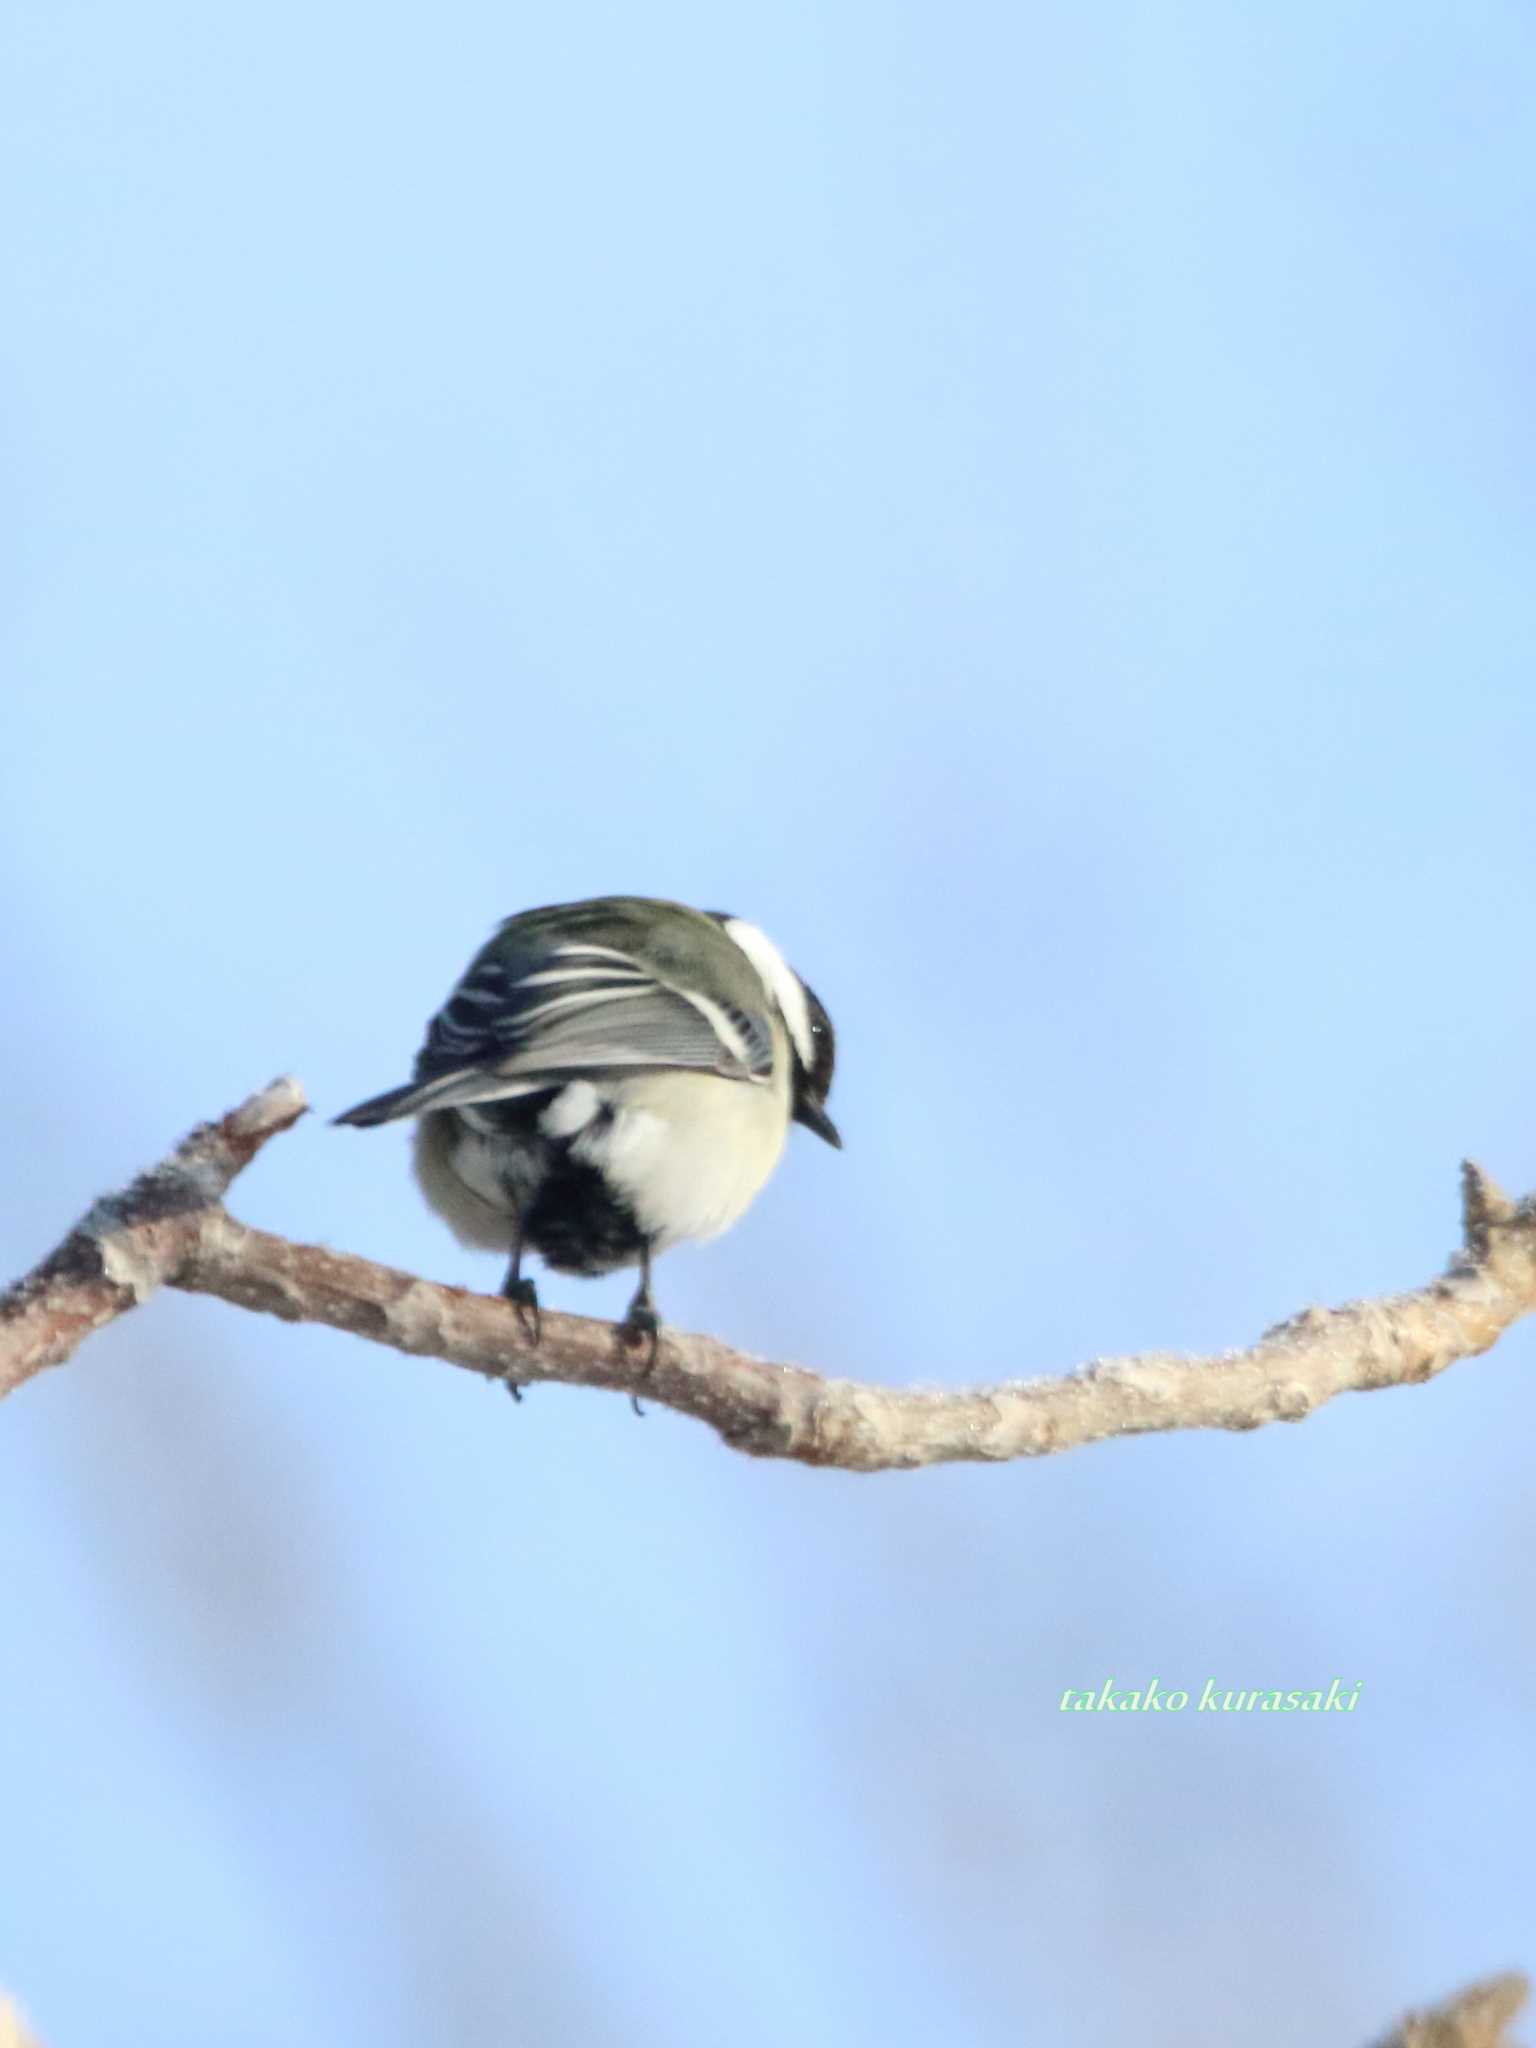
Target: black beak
x=815, y=1118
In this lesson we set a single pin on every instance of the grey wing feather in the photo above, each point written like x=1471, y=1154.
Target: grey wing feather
x=526, y=1017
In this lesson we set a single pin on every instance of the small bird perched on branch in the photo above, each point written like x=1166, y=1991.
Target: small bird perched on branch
x=607, y=1079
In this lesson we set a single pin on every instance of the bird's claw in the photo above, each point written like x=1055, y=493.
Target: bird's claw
x=524, y=1297
x=642, y=1325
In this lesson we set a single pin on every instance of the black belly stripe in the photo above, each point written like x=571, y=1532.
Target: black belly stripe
x=578, y=1224
x=570, y=1215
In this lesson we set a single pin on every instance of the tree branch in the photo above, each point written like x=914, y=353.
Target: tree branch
x=132, y=1243
x=170, y=1228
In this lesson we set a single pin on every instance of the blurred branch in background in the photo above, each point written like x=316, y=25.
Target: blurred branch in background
x=1475, y=2018
x=169, y=1228
x=14, y=2031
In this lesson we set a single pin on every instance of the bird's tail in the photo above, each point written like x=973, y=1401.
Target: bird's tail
x=383, y=1109
x=447, y=1091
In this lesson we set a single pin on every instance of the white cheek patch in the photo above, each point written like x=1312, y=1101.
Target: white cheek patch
x=571, y=1111
x=780, y=980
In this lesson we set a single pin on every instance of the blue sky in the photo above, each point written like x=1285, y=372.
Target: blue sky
x=1032, y=507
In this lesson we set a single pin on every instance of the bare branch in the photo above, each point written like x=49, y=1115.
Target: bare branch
x=132, y=1243
x=170, y=1228
x=1478, y=2017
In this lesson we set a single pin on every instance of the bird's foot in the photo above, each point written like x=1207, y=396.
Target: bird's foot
x=641, y=1326
x=524, y=1297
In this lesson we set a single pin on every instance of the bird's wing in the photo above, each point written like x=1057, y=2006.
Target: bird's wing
x=528, y=1017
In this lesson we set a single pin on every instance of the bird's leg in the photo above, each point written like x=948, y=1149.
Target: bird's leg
x=641, y=1324
x=524, y=1297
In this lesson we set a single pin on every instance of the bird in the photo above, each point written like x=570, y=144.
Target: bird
x=607, y=1079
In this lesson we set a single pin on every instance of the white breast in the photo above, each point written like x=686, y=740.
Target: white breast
x=689, y=1151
